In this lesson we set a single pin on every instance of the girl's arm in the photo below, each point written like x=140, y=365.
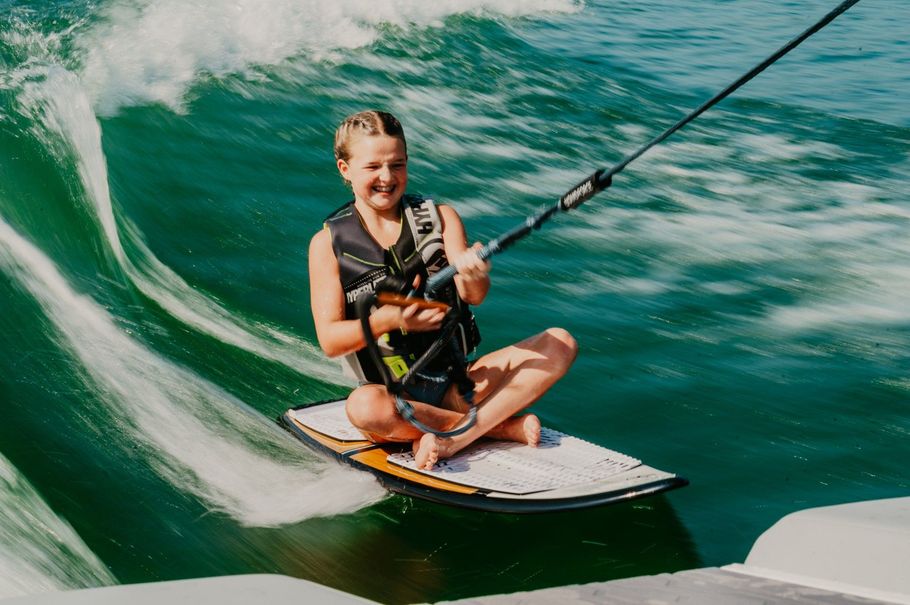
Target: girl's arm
x=473, y=279
x=338, y=335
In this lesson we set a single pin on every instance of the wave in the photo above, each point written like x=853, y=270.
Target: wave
x=41, y=551
x=62, y=119
x=196, y=435
x=140, y=52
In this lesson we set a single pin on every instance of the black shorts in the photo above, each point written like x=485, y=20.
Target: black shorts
x=428, y=387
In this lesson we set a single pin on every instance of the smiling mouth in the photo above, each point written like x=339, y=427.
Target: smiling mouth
x=384, y=188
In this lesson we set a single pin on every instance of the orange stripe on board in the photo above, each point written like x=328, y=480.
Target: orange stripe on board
x=335, y=445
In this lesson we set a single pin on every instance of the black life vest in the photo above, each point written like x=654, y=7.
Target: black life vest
x=363, y=264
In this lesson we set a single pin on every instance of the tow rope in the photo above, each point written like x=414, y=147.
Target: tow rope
x=602, y=179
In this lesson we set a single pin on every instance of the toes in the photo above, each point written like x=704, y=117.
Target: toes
x=426, y=452
x=532, y=430
x=430, y=463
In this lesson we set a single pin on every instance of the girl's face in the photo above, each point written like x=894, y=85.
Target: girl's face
x=377, y=170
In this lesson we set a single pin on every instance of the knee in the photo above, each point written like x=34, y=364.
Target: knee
x=365, y=408
x=562, y=340
x=561, y=346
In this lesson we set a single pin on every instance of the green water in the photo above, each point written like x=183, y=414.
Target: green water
x=739, y=295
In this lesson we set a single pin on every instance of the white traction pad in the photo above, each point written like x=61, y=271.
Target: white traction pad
x=329, y=419
x=500, y=466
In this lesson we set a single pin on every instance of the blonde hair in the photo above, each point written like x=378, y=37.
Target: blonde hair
x=366, y=123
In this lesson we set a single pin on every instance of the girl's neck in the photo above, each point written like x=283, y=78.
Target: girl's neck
x=380, y=214
x=384, y=225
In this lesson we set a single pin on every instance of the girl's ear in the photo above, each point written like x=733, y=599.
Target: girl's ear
x=343, y=168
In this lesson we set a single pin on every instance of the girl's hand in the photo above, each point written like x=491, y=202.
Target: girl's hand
x=414, y=318
x=469, y=265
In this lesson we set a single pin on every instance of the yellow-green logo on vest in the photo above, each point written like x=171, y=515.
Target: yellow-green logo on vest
x=397, y=365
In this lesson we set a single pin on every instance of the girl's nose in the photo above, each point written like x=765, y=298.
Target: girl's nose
x=385, y=173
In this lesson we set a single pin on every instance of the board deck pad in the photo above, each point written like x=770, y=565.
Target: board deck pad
x=329, y=419
x=560, y=460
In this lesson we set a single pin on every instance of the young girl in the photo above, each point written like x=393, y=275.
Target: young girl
x=384, y=231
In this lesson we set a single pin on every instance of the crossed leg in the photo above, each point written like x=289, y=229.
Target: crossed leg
x=507, y=381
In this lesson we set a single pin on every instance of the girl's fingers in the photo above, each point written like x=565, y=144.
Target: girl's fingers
x=470, y=265
x=415, y=318
x=431, y=316
x=485, y=265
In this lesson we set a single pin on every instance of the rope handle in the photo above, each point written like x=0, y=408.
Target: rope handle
x=400, y=300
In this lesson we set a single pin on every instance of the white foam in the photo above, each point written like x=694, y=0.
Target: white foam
x=36, y=45
x=193, y=433
x=867, y=292
x=152, y=51
x=54, y=98
x=630, y=286
x=633, y=132
x=41, y=552
x=904, y=385
x=774, y=147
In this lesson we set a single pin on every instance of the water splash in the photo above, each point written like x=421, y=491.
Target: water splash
x=63, y=120
x=194, y=434
x=41, y=551
x=152, y=51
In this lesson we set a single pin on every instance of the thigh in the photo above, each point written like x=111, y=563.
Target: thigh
x=489, y=371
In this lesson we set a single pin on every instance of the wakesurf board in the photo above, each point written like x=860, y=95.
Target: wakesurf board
x=562, y=473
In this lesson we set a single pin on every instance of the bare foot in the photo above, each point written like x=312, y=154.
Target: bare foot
x=523, y=429
x=531, y=427
x=426, y=451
